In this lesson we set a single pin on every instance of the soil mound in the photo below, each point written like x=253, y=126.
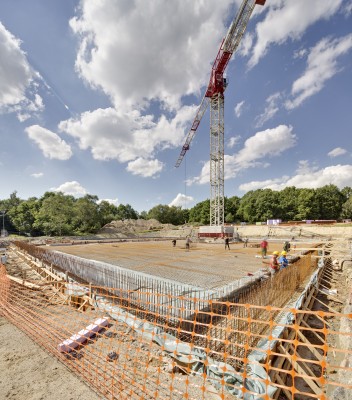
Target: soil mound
x=134, y=227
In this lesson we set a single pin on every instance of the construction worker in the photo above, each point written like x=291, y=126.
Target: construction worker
x=227, y=243
x=283, y=261
x=274, y=263
x=264, y=247
x=188, y=242
x=287, y=246
x=174, y=242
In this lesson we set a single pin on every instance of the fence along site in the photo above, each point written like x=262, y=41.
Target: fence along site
x=146, y=320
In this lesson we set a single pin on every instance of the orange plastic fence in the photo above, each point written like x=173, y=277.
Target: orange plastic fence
x=140, y=354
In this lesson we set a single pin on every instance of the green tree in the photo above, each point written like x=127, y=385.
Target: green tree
x=231, y=206
x=346, y=211
x=229, y=218
x=56, y=214
x=288, y=203
x=143, y=215
x=259, y=205
x=86, y=215
x=200, y=213
x=126, y=212
x=330, y=201
x=23, y=216
x=307, y=205
x=107, y=212
x=347, y=192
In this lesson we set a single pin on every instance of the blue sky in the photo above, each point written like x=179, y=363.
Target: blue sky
x=98, y=97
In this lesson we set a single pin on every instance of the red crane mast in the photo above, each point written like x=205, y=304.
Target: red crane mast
x=214, y=95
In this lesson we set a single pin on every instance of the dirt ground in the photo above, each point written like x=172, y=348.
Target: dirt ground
x=28, y=372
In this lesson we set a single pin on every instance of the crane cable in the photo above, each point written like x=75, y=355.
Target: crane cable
x=184, y=206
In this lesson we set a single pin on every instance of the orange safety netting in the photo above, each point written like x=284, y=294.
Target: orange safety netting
x=233, y=350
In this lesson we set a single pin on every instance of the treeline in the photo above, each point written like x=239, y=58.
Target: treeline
x=58, y=214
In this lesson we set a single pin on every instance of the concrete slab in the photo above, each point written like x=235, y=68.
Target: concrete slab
x=206, y=265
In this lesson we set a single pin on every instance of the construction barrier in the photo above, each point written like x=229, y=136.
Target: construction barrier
x=226, y=349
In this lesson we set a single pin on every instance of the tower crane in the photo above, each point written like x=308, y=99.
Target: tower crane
x=214, y=95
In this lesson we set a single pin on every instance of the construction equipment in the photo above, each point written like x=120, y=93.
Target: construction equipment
x=214, y=95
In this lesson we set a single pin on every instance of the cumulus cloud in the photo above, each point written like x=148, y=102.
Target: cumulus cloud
x=321, y=66
x=127, y=136
x=114, y=202
x=135, y=51
x=348, y=9
x=145, y=168
x=300, y=53
x=233, y=141
x=239, y=108
x=290, y=19
x=338, y=151
x=269, y=183
x=339, y=175
x=72, y=188
x=272, y=107
x=181, y=200
x=257, y=149
x=17, y=83
x=267, y=143
x=37, y=175
x=49, y=143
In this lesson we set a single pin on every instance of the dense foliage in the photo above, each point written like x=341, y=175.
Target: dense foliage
x=59, y=214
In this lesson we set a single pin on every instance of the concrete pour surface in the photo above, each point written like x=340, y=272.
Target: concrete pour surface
x=205, y=265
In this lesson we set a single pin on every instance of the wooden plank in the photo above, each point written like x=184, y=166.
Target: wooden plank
x=316, y=389
x=75, y=340
x=24, y=282
x=310, y=346
x=312, y=331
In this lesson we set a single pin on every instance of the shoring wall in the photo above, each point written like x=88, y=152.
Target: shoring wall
x=134, y=357
x=243, y=290
x=145, y=354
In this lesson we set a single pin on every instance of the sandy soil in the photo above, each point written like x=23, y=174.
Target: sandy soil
x=27, y=372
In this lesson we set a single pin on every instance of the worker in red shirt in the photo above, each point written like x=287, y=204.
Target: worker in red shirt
x=274, y=263
x=264, y=247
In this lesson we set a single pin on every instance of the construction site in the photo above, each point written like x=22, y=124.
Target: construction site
x=191, y=312
x=141, y=318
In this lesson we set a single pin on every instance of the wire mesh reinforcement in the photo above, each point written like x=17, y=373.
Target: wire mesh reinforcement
x=143, y=354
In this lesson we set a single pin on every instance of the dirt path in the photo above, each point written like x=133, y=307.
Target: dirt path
x=27, y=372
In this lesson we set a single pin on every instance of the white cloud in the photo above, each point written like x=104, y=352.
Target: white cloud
x=270, y=110
x=259, y=147
x=114, y=202
x=254, y=185
x=138, y=51
x=72, y=188
x=145, y=168
x=321, y=66
x=348, y=9
x=246, y=44
x=338, y=151
x=287, y=19
x=239, y=108
x=270, y=142
x=49, y=143
x=305, y=167
x=181, y=200
x=38, y=175
x=17, y=83
x=233, y=141
x=300, y=53
x=126, y=136
x=339, y=175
